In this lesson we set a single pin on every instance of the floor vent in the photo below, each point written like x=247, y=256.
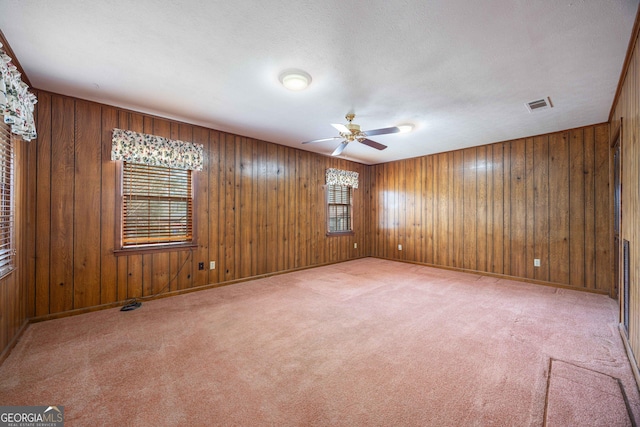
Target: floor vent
x=540, y=104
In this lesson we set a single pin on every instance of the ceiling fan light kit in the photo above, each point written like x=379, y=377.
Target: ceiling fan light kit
x=351, y=132
x=294, y=79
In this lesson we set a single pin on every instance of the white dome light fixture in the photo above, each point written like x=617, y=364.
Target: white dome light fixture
x=405, y=128
x=294, y=79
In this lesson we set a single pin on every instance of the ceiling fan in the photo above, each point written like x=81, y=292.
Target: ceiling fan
x=351, y=132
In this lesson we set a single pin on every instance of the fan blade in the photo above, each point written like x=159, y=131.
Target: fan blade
x=373, y=144
x=383, y=131
x=323, y=139
x=340, y=148
x=341, y=128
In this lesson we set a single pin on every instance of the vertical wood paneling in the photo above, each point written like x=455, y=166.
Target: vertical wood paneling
x=507, y=210
x=314, y=204
x=530, y=209
x=469, y=212
x=62, y=194
x=86, y=203
x=428, y=208
x=247, y=228
x=390, y=210
x=491, y=193
x=451, y=226
x=411, y=234
x=213, y=187
x=107, y=220
x=291, y=199
x=43, y=205
x=518, y=209
x=589, y=209
x=481, y=209
x=271, y=236
x=28, y=246
x=495, y=208
x=559, y=207
x=577, y=208
x=282, y=243
x=604, y=231
x=458, y=210
x=497, y=205
x=541, y=206
x=227, y=232
x=201, y=220
x=401, y=224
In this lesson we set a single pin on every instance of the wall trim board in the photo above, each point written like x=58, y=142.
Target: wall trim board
x=501, y=276
x=7, y=350
x=91, y=309
x=630, y=355
x=178, y=122
x=491, y=143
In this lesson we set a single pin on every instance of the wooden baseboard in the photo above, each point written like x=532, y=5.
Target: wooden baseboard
x=501, y=276
x=173, y=293
x=5, y=353
x=632, y=359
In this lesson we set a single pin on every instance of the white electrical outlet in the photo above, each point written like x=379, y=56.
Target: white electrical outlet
x=212, y=265
x=399, y=247
x=536, y=262
x=355, y=246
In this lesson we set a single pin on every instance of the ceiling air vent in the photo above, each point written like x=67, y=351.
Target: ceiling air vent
x=540, y=104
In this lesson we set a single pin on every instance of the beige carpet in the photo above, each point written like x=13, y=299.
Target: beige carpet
x=366, y=342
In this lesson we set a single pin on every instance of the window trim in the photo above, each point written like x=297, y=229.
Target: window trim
x=330, y=233
x=11, y=266
x=119, y=249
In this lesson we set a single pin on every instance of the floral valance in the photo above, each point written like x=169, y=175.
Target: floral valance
x=16, y=102
x=153, y=150
x=340, y=177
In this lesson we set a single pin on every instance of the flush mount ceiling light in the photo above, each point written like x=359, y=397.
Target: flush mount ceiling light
x=405, y=128
x=294, y=79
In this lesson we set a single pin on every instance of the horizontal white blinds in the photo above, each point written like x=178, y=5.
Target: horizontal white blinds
x=339, y=208
x=7, y=253
x=157, y=205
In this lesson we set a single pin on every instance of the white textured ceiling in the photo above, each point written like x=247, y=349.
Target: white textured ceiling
x=460, y=70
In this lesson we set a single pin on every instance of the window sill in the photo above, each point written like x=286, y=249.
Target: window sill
x=340, y=233
x=154, y=249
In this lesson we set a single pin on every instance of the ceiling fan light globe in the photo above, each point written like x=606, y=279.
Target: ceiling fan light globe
x=405, y=128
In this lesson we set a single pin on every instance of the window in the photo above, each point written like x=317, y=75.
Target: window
x=339, y=209
x=157, y=206
x=7, y=250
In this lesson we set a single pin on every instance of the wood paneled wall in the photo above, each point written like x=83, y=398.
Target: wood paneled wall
x=259, y=209
x=627, y=111
x=495, y=208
